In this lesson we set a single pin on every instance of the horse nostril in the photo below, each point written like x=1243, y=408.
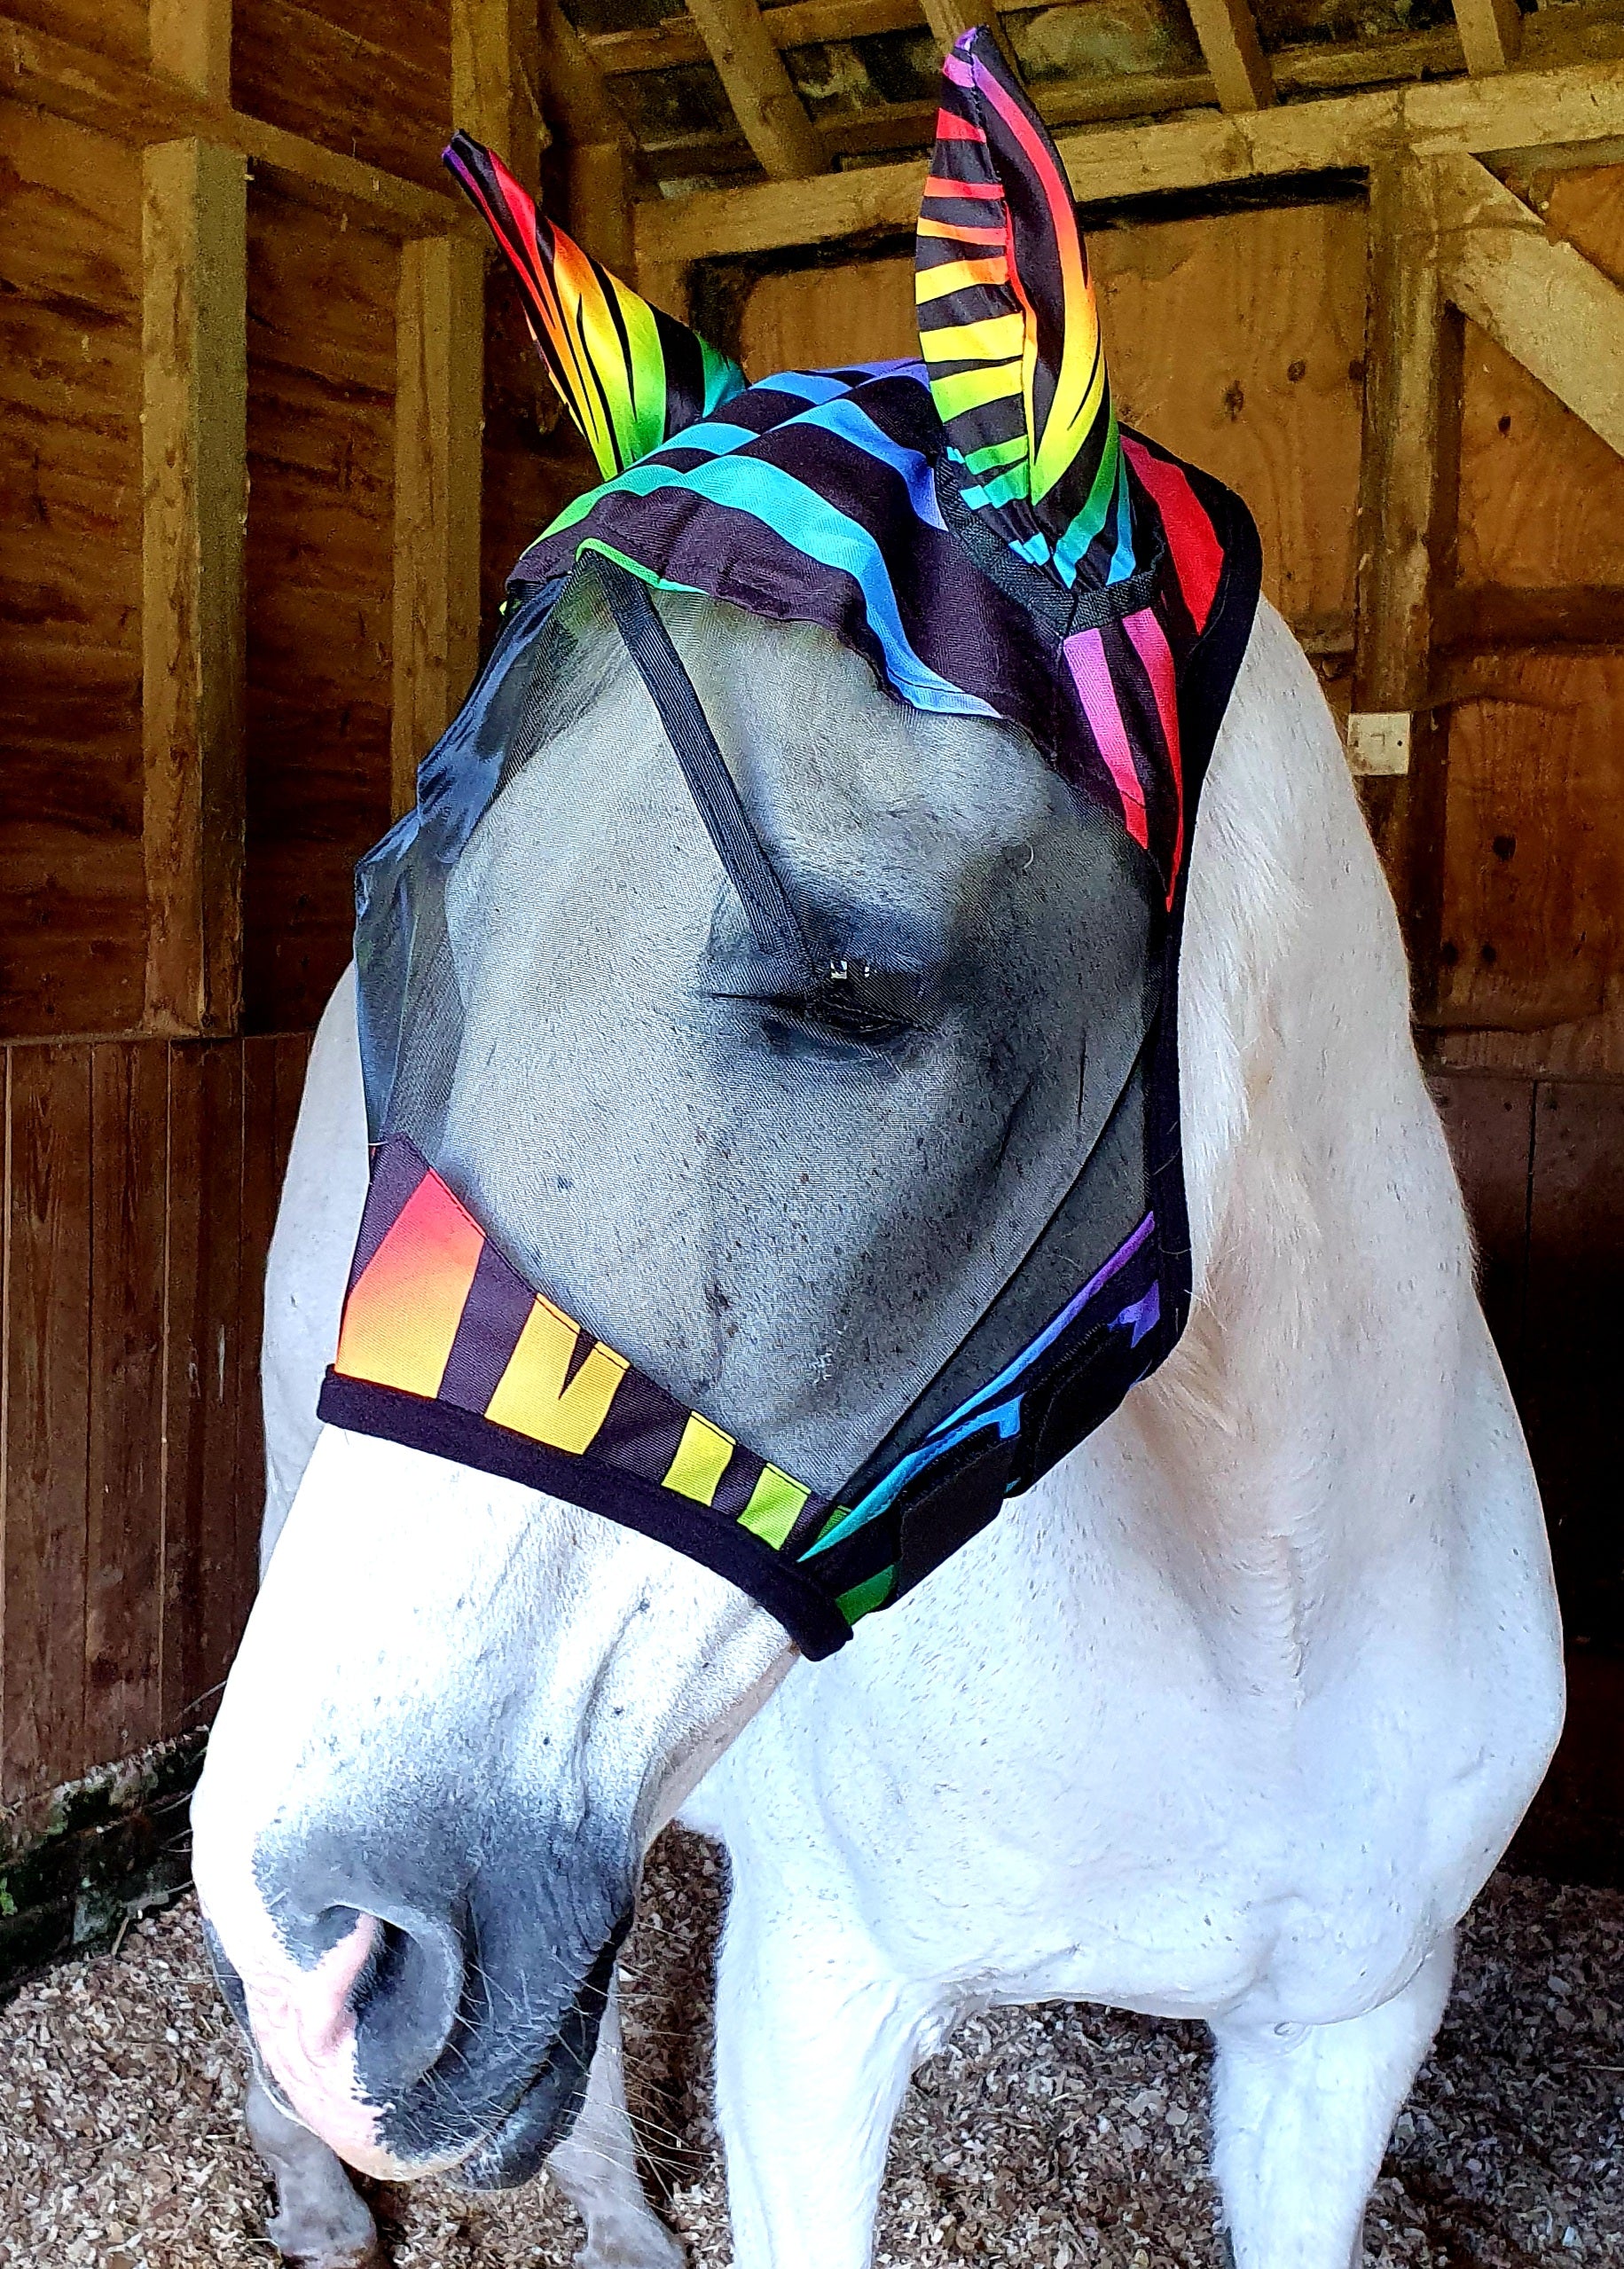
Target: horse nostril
x=380, y=1967
x=406, y=2001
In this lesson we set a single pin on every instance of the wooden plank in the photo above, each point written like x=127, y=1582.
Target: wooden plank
x=266, y=1063
x=1533, y=880
x=801, y=23
x=1543, y=303
x=71, y=82
x=1489, y=1122
x=194, y=503
x=1228, y=32
x=73, y=908
x=1491, y=33
x=320, y=539
x=1582, y=104
x=191, y=41
x=373, y=83
x=1404, y=479
x=494, y=62
x=124, y=1553
x=202, y=1602
x=439, y=361
x=770, y=112
x=46, y=1419
x=1574, y=1343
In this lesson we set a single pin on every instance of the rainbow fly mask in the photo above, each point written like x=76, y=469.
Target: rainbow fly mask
x=974, y=525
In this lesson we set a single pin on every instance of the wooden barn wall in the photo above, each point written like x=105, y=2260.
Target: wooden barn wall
x=1239, y=340
x=138, y=1174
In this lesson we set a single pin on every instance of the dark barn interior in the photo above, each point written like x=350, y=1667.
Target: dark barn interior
x=272, y=434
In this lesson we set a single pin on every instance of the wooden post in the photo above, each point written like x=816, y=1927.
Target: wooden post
x=597, y=177
x=494, y=67
x=1491, y=33
x=191, y=41
x=194, y=504
x=1405, y=499
x=439, y=360
x=1234, y=53
x=771, y=114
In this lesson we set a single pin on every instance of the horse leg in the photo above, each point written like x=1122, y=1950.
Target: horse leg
x=815, y=2044
x=595, y=2167
x=321, y=2221
x=1301, y=2116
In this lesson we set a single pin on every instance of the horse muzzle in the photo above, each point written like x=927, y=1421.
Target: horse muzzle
x=421, y=2027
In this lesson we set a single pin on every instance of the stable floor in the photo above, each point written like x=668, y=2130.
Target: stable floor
x=1051, y=2138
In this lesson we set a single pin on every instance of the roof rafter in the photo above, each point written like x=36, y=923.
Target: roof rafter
x=771, y=114
x=1234, y=53
x=1491, y=33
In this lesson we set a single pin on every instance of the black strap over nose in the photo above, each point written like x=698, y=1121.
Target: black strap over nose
x=766, y=905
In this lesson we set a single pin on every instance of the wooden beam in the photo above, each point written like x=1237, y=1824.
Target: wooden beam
x=1229, y=36
x=801, y=23
x=600, y=156
x=1405, y=461
x=191, y=41
x=145, y=108
x=1580, y=104
x=1491, y=33
x=1542, y=301
x=195, y=504
x=950, y=19
x=439, y=350
x=770, y=112
x=495, y=60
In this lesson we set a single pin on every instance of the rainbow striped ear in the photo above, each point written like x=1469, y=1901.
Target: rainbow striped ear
x=630, y=376
x=1010, y=332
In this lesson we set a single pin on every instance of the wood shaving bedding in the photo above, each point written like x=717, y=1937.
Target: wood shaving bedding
x=1058, y=2137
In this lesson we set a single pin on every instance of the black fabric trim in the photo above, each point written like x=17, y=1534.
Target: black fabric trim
x=1204, y=694
x=741, y=1558
x=1033, y=589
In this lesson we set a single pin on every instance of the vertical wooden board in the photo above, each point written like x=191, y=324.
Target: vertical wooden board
x=813, y=319
x=194, y=498
x=1575, y=1343
x=321, y=380
x=73, y=911
x=124, y=1555
x=1542, y=497
x=47, y=1418
x=375, y=86
x=264, y=1082
x=439, y=386
x=1533, y=858
x=1489, y=1123
x=292, y=1063
x=203, y=1602
x=1239, y=342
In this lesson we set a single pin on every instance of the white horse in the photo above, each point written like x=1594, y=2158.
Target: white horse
x=1230, y=1717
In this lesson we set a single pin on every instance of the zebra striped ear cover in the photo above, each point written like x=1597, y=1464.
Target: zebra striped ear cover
x=975, y=524
x=1010, y=332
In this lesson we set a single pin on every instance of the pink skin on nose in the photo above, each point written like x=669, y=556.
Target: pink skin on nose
x=305, y=2030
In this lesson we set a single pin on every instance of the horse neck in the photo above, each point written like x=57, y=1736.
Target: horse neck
x=1315, y=1170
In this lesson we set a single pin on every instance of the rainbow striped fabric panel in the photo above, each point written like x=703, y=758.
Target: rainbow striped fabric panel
x=435, y=1311
x=1010, y=332
x=630, y=376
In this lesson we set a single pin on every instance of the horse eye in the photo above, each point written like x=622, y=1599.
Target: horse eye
x=838, y=1010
